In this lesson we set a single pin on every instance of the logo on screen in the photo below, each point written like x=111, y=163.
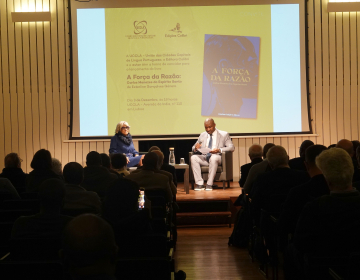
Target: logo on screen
x=176, y=29
x=140, y=27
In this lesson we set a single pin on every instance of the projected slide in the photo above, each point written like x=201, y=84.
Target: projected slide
x=165, y=69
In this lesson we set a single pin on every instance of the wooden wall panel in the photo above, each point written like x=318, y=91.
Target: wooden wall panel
x=35, y=80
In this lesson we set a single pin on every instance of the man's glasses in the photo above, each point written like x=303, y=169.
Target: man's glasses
x=126, y=127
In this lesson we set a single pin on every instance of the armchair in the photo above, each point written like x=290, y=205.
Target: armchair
x=224, y=171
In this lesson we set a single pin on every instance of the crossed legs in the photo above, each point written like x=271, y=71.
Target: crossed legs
x=200, y=160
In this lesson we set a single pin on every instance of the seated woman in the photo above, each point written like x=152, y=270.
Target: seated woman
x=121, y=143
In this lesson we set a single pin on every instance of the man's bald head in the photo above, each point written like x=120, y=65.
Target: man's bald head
x=209, y=125
x=160, y=158
x=346, y=145
x=255, y=151
x=277, y=157
x=88, y=241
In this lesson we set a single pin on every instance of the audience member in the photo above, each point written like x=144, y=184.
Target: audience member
x=255, y=154
x=49, y=223
x=118, y=164
x=7, y=187
x=300, y=195
x=97, y=178
x=257, y=169
x=121, y=210
x=163, y=172
x=42, y=165
x=13, y=171
x=56, y=166
x=347, y=145
x=271, y=188
x=89, y=250
x=147, y=178
x=298, y=163
x=356, y=184
x=331, y=146
x=106, y=162
x=76, y=197
x=166, y=166
x=330, y=225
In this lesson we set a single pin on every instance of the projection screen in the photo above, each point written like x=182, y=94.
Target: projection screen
x=166, y=66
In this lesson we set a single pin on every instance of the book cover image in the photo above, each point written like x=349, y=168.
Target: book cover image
x=230, y=76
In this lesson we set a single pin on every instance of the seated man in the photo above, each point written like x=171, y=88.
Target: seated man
x=166, y=166
x=217, y=141
x=271, y=188
x=49, y=223
x=329, y=225
x=148, y=178
x=298, y=163
x=348, y=146
x=255, y=154
x=97, y=178
x=89, y=249
x=300, y=195
x=13, y=171
x=118, y=164
x=158, y=170
x=76, y=197
x=257, y=169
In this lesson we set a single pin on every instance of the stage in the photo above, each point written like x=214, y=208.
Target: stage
x=207, y=207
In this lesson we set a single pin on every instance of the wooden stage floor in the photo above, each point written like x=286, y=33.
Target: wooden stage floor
x=219, y=194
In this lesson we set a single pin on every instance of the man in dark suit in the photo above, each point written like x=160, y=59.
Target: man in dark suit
x=166, y=166
x=13, y=172
x=147, y=178
x=300, y=195
x=76, y=197
x=255, y=154
x=347, y=145
x=97, y=178
x=89, y=248
x=49, y=223
x=298, y=163
x=330, y=225
x=271, y=188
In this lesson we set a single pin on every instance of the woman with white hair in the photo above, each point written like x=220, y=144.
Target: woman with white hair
x=121, y=143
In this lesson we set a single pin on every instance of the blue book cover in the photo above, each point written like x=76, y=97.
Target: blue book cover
x=231, y=76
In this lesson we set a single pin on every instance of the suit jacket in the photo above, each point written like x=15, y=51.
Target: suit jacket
x=330, y=225
x=270, y=189
x=297, y=163
x=169, y=168
x=37, y=176
x=254, y=172
x=167, y=174
x=296, y=200
x=148, y=179
x=41, y=225
x=16, y=176
x=244, y=170
x=98, y=179
x=223, y=141
x=77, y=197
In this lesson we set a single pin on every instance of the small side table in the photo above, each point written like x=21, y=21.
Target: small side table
x=186, y=175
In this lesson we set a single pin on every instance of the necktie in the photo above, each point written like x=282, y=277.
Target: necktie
x=208, y=155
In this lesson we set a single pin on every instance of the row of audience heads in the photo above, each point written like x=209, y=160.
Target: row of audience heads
x=42, y=160
x=335, y=161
